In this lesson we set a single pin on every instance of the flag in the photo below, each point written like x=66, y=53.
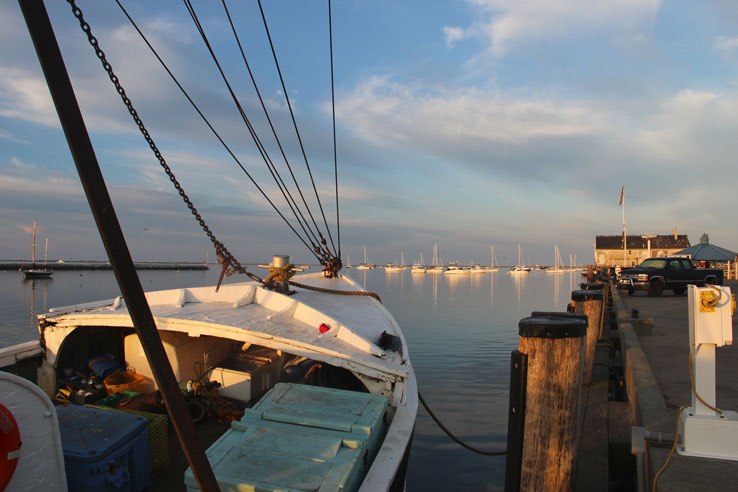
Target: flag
x=622, y=193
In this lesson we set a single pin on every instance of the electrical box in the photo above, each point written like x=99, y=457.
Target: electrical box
x=710, y=315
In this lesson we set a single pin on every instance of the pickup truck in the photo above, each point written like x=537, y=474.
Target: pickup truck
x=675, y=273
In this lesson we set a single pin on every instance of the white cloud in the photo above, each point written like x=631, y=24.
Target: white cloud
x=386, y=112
x=503, y=23
x=17, y=163
x=673, y=134
x=453, y=34
x=26, y=97
x=726, y=44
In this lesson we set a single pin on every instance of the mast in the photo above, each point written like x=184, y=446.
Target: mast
x=33, y=246
x=75, y=131
x=46, y=251
x=625, y=230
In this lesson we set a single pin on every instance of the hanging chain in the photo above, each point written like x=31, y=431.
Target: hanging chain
x=220, y=248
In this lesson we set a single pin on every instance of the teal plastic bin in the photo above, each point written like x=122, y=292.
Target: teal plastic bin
x=299, y=438
x=325, y=408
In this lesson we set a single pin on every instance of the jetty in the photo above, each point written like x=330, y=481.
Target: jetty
x=596, y=394
x=653, y=333
x=105, y=265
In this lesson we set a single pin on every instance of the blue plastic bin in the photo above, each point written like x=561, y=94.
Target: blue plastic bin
x=104, y=451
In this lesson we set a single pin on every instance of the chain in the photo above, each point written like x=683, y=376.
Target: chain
x=220, y=248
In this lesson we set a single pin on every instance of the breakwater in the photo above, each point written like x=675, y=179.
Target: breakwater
x=104, y=265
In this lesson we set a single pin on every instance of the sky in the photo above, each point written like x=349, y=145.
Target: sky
x=462, y=123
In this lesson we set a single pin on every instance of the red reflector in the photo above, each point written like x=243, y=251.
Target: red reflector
x=324, y=328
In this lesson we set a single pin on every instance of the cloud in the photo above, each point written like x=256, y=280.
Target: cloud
x=453, y=34
x=387, y=112
x=726, y=44
x=503, y=23
x=25, y=96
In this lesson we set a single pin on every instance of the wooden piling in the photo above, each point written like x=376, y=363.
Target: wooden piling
x=555, y=350
x=589, y=303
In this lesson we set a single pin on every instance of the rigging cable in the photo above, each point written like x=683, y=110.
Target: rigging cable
x=260, y=146
x=219, y=247
x=294, y=122
x=271, y=125
x=208, y=124
x=333, y=114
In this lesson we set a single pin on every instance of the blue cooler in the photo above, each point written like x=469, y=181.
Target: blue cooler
x=103, y=450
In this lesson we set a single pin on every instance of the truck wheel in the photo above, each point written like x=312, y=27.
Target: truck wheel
x=712, y=281
x=656, y=288
x=680, y=291
x=631, y=291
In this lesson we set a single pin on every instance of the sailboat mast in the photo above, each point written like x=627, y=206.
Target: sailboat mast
x=46, y=251
x=33, y=245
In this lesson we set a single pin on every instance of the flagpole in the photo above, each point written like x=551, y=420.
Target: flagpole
x=625, y=234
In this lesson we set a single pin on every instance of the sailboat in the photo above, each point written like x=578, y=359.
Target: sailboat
x=520, y=268
x=557, y=268
x=312, y=390
x=436, y=264
x=390, y=267
x=33, y=271
x=364, y=265
x=419, y=267
x=493, y=267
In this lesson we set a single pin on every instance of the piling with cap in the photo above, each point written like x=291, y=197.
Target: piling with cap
x=554, y=344
x=589, y=303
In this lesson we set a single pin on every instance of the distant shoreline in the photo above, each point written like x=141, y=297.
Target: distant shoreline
x=104, y=265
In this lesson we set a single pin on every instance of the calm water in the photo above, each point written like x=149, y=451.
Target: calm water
x=460, y=329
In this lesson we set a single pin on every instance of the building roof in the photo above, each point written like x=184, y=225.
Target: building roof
x=666, y=241
x=704, y=251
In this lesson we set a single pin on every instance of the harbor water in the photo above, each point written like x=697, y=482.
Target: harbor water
x=460, y=330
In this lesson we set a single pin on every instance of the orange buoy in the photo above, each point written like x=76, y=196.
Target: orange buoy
x=10, y=444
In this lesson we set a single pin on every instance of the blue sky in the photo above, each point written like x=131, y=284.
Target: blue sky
x=462, y=123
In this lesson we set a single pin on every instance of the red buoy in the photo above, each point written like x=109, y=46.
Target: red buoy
x=10, y=444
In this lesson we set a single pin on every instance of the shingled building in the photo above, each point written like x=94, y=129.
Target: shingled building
x=609, y=249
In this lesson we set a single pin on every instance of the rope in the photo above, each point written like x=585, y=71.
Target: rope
x=333, y=113
x=452, y=436
x=297, y=132
x=339, y=292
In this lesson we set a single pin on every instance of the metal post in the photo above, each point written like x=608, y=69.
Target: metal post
x=62, y=93
x=281, y=261
x=516, y=419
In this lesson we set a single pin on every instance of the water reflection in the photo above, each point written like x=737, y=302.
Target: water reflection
x=32, y=323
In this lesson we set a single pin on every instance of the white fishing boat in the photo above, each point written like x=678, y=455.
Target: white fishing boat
x=34, y=271
x=348, y=343
x=295, y=382
x=520, y=268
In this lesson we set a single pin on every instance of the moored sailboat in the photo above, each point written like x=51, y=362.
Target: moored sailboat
x=520, y=268
x=33, y=271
